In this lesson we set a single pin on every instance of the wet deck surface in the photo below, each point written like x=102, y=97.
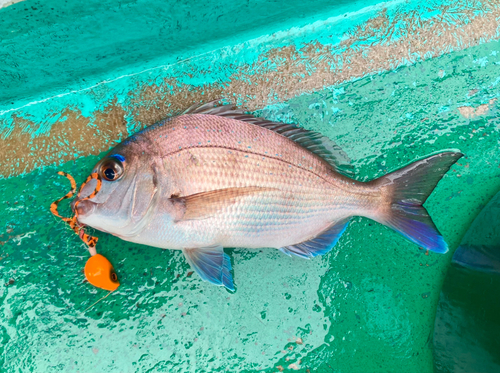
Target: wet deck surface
x=368, y=305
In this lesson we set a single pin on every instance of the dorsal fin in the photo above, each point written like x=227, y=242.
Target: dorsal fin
x=313, y=141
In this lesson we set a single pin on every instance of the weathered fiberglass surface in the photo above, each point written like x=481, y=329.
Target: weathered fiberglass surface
x=367, y=306
x=467, y=323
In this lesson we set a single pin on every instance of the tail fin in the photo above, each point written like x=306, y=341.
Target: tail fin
x=407, y=190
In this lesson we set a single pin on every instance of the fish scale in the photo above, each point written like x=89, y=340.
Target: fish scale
x=207, y=164
x=216, y=177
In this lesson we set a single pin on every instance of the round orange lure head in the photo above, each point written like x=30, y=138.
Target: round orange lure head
x=100, y=273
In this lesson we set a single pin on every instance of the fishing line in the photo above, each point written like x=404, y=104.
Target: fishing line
x=98, y=270
x=91, y=241
x=93, y=304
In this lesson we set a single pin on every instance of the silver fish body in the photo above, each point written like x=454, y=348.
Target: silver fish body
x=215, y=177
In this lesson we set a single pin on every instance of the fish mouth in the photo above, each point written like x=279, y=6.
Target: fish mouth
x=84, y=207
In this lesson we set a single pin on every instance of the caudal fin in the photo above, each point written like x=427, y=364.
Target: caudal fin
x=407, y=190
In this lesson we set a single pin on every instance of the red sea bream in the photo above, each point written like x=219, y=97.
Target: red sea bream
x=215, y=177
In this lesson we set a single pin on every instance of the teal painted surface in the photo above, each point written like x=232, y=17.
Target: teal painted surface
x=85, y=56
x=48, y=45
x=467, y=324
x=369, y=305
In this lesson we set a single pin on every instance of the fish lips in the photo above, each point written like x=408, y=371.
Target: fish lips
x=83, y=208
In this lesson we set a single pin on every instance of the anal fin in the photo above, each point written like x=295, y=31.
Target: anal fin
x=211, y=264
x=319, y=245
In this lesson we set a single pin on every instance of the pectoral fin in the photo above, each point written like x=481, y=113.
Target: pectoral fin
x=211, y=264
x=203, y=205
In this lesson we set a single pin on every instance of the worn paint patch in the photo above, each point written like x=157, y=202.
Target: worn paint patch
x=470, y=112
x=6, y=3
x=70, y=137
x=152, y=103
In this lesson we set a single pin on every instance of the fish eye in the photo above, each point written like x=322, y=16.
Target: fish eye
x=111, y=170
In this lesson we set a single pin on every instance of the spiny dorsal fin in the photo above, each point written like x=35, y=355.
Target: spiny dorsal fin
x=313, y=141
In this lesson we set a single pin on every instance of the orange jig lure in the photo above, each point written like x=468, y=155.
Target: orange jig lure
x=98, y=270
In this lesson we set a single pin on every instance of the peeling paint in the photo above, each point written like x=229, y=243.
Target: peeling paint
x=469, y=112
x=6, y=3
x=70, y=137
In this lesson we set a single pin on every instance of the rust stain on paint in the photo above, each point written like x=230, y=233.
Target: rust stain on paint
x=68, y=139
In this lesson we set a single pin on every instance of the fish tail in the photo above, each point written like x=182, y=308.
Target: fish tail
x=406, y=190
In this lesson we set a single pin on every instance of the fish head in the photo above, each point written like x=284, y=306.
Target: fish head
x=124, y=201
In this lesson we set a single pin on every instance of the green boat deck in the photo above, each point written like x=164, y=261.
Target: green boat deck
x=390, y=82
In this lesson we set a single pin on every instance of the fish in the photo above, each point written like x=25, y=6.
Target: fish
x=214, y=177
